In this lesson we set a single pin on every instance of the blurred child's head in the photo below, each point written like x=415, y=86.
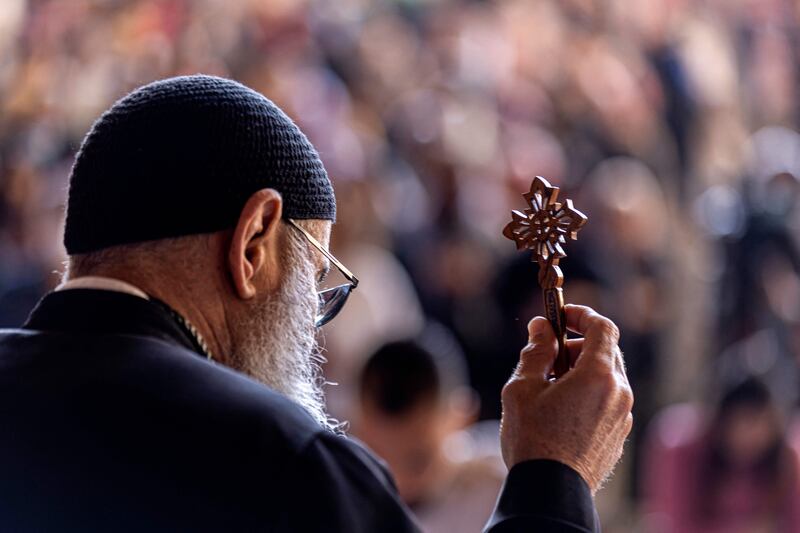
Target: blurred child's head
x=747, y=441
x=747, y=424
x=413, y=395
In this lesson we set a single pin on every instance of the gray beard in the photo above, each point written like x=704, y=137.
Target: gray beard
x=277, y=344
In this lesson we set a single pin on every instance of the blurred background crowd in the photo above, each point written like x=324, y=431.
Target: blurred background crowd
x=671, y=123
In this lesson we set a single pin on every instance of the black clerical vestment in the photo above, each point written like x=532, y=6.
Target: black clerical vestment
x=109, y=421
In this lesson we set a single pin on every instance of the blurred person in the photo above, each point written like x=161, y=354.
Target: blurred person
x=771, y=62
x=617, y=111
x=30, y=247
x=730, y=469
x=415, y=405
x=763, y=254
x=172, y=382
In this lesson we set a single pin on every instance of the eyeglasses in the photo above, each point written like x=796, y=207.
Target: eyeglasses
x=332, y=300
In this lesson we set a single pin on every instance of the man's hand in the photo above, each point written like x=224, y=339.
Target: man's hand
x=581, y=419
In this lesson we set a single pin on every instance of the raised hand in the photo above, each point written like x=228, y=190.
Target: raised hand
x=581, y=419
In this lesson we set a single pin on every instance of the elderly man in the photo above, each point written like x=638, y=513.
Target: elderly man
x=171, y=382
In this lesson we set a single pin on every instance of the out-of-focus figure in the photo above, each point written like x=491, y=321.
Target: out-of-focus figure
x=727, y=470
x=414, y=408
x=760, y=287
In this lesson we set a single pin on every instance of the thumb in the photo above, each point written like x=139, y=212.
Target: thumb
x=536, y=359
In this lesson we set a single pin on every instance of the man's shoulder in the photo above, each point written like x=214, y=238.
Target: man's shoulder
x=168, y=378
x=187, y=440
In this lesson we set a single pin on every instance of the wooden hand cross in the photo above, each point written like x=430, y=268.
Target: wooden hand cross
x=543, y=228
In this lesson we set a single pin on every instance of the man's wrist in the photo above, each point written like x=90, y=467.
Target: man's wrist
x=548, y=489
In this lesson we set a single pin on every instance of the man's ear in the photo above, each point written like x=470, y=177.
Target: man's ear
x=254, y=246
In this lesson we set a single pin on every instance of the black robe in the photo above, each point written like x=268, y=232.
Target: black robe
x=110, y=421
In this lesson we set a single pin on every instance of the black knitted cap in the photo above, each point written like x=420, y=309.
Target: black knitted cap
x=181, y=156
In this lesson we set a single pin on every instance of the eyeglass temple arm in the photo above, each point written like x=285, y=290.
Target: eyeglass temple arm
x=347, y=274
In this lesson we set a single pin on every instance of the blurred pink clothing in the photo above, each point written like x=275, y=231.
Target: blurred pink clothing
x=673, y=458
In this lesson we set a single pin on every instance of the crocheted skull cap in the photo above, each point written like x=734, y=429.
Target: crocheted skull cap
x=181, y=156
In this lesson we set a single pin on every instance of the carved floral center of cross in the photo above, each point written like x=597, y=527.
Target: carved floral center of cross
x=544, y=227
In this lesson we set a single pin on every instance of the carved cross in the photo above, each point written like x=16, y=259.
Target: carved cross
x=544, y=228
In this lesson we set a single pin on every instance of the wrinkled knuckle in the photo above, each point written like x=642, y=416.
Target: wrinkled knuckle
x=512, y=390
x=506, y=391
x=608, y=329
x=627, y=398
x=628, y=424
x=531, y=350
x=605, y=383
x=605, y=369
x=528, y=348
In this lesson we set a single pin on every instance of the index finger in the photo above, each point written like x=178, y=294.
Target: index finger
x=600, y=334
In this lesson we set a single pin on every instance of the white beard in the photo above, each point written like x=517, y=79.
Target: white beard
x=277, y=342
